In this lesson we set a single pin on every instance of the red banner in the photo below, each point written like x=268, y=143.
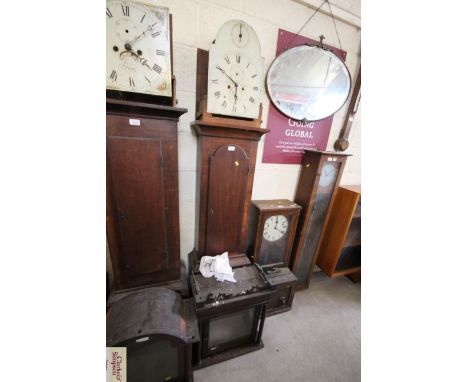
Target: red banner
x=287, y=139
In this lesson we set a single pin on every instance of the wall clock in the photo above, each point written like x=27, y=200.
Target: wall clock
x=235, y=71
x=138, y=48
x=308, y=83
x=276, y=222
x=318, y=181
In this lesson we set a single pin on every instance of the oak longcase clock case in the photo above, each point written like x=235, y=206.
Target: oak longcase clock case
x=318, y=181
x=142, y=192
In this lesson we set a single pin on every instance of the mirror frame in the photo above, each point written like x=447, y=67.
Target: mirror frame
x=274, y=101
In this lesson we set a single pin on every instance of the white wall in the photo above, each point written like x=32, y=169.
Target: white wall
x=195, y=23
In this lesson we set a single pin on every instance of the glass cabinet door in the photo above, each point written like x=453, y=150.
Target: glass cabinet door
x=327, y=181
x=153, y=360
x=233, y=328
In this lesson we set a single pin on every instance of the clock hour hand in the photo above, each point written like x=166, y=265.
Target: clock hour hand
x=143, y=61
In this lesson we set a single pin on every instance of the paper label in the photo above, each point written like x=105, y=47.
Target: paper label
x=134, y=122
x=231, y=148
x=116, y=364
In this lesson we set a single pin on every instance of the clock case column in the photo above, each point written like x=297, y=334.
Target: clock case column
x=310, y=233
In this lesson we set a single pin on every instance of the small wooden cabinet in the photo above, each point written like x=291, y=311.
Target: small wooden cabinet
x=142, y=193
x=283, y=282
x=340, y=250
x=230, y=315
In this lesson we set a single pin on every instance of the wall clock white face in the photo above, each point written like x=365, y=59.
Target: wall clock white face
x=275, y=227
x=235, y=72
x=138, y=55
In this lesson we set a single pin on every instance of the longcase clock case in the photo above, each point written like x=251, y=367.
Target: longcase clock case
x=318, y=181
x=142, y=193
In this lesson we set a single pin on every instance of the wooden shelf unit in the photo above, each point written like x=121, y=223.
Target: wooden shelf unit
x=340, y=251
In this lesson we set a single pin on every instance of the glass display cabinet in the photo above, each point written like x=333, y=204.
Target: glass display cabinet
x=230, y=315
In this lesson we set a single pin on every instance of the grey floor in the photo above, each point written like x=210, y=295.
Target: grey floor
x=319, y=340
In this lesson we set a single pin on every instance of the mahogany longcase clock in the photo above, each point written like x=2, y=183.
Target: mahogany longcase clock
x=319, y=179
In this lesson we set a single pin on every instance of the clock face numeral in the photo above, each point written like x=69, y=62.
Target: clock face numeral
x=156, y=34
x=217, y=94
x=244, y=107
x=253, y=76
x=224, y=104
x=142, y=18
x=234, y=108
x=252, y=99
x=226, y=58
x=248, y=64
x=238, y=58
x=215, y=81
x=108, y=13
x=255, y=88
x=126, y=10
x=160, y=52
x=113, y=76
x=132, y=83
x=157, y=68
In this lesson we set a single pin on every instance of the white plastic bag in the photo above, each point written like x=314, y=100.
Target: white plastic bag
x=217, y=266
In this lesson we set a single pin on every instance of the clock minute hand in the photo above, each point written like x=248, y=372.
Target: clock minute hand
x=148, y=29
x=222, y=71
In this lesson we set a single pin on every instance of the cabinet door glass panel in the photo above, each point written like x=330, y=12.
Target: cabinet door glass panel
x=231, y=327
x=153, y=360
x=327, y=180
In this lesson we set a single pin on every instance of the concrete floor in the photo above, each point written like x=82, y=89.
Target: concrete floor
x=319, y=340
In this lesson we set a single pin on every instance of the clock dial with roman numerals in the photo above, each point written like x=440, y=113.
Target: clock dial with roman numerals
x=138, y=56
x=235, y=72
x=236, y=87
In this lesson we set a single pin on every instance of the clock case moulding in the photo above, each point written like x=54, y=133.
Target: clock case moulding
x=148, y=98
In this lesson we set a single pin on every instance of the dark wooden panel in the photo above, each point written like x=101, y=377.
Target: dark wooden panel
x=136, y=181
x=228, y=175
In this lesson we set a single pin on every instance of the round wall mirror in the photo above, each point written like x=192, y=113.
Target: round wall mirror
x=308, y=82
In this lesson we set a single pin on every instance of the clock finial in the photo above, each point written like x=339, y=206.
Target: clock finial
x=321, y=37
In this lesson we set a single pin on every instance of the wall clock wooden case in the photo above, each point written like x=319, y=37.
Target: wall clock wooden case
x=318, y=181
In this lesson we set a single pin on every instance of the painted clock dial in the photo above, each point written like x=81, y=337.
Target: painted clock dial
x=138, y=54
x=235, y=72
x=275, y=227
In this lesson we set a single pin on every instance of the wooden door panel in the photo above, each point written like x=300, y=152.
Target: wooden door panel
x=138, y=195
x=228, y=176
